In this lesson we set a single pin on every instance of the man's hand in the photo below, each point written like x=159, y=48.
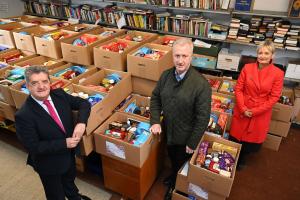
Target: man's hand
x=189, y=150
x=248, y=113
x=79, y=130
x=72, y=142
x=155, y=129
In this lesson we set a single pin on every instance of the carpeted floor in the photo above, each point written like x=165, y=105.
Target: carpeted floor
x=19, y=182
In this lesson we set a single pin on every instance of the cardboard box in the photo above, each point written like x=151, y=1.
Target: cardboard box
x=7, y=111
x=51, y=48
x=283, y=112
x=91, y=69
x=25, y=56
x=203, y=61
x=272, y=142
x=227, y=83
x=113, y=98
x=213, y=80
x=21, y=17
x=5, y=93
x=80, y=163
x=84, y=54
x=6, y=32
x=19, y=97
x=124, y=151
x=208, y=180
x=149, y=68
x=161, y=40
x=184, y=188
x=212, y=51
x=228, y=61
x=49, y=63
x=143, y=86
x=40, y=20
x=26, y=42
x=177, y=195
x=279, y=128
x=147, y=37
x=87, y=144
x=293, y=71
x=81, y=28
x=140, y=101
x=113, y=60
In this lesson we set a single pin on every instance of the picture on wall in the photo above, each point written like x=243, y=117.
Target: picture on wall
x=294, y=10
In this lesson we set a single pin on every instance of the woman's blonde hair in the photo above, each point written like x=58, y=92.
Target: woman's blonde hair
x=268, y=44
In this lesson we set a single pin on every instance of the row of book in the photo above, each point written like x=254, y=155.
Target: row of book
x=50, y=9
x=281, y=32
x=201, y=4
x=284, y=34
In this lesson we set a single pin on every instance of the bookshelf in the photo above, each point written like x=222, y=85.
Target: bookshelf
x=109, y=15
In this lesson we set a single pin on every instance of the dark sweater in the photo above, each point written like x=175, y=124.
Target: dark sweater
x=185, y=104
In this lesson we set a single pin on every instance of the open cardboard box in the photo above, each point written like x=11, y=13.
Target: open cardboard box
x=140, y=101
x=19, y=97
x=51, y=48
x=5, y=93
x=42, y=61
x=25, y=56
x=26, y=42
x=231, y=83
x=160, y=40
x=91, y=69
x=208, y=180
x=149, y=68
x=272, y=142
x=7, y=111
x=20, y=18
x=113, y=60
x=81, y=28
x=279, y=128
x=146, y=37
x=119, y=149
x=283, y=112
x=214, y=78
x=6, y=32
x=40, y=20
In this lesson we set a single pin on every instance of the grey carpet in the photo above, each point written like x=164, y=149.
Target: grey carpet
x=19, y=182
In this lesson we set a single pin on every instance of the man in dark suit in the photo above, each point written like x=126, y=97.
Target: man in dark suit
x=45, y=126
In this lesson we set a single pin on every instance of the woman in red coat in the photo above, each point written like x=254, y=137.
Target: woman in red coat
x=258, y=88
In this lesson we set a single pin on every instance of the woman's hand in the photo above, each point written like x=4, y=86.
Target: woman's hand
x=248, y=113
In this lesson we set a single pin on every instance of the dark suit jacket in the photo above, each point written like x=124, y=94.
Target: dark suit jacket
x=43, y=138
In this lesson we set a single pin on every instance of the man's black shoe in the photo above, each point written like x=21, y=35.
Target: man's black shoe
x=168, y=195
x=83, y=197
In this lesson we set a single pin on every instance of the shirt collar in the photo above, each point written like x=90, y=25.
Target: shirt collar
x=179, y=77
x=42, y=102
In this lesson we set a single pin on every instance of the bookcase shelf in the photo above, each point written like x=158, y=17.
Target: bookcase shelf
x=228, y=13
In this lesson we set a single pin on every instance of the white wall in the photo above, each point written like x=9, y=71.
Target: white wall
x=14, y=8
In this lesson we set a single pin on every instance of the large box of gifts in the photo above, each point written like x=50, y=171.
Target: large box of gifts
x=40, y=20
x=112, y=54
x=20, y=93
x=167, y=40
x=9, y=76
x=227, y=86
x=73, y=72
x=125, y=138
x=49, y=63
x=139, y=36
x=137, y=105
x=24, y=38
x=214, y=81
x=15, y=55
x=114, y=94
x=6, y=32
x=213, y=164
x=80, y=48
x=149, y=61
x=49, y=43
x=283, y=109
x=81, y=28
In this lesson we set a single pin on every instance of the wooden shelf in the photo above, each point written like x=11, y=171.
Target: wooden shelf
x=292, y=79
x=262, y=13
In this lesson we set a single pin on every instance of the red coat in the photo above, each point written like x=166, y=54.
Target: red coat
x=257, y=90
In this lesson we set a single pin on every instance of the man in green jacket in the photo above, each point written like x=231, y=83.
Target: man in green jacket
x=183, y=95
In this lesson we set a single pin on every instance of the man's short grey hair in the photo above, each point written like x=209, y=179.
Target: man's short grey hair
x=35, y=69
x=184, y=41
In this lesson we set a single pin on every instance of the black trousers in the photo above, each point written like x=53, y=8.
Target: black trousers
x=178, y=156
x=247, y=148
x=57, y=187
